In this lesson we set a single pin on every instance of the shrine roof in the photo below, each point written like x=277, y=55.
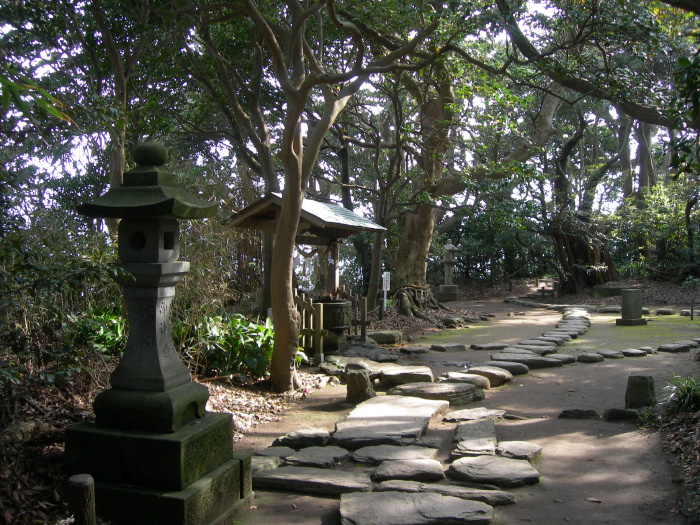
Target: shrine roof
x=319, y=220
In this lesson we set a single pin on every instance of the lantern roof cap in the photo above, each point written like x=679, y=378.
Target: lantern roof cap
x=149, y=191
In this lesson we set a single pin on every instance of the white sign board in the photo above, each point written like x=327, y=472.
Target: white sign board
x=386, y=281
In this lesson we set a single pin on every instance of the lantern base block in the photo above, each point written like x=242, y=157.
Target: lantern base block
x=449, y=292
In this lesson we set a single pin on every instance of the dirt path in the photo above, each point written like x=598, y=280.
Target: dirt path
x=592, y=471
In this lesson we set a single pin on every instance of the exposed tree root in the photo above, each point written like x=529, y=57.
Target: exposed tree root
x=414, y=299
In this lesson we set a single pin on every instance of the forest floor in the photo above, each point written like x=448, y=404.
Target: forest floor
x=657, y=466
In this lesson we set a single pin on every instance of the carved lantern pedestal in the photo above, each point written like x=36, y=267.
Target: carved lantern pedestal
x=157, y=456
x=449, y=291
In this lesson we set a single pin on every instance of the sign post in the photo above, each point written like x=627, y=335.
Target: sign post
x=386, y=286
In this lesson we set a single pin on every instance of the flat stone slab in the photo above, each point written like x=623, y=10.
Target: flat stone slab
x=534, y=342
x=309, y=480
x=519, y=350
x=665, y=311
x=488, y=346
x=401, y=375
x=385, y=337
x=426, y=470
x=478, y=428
x=374, y=368
x=673, y=348
x=449, y=348
x=516, y=369
x=634, y=352
x=474, y=438
x=556, y=339
x=497, y=376
x=387, y=420
x=306, y=437
x=564, y=358
x=519, y=450
x=473, y=414
x=422, y=508
x=490, y=497
x=556, y=332
x=280, y=452
x=537, y=349
x=611, y=354
x=473, y=447
x=259, y=463
x=502, y=472
x=477, y=380
x=375, y=454
x=321, y=457
x=454, y=393
x=529, y=361
x=590, y=358
x=413, y=350
x=691, y=343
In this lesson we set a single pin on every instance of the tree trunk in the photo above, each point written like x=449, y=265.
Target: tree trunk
x=412, y=255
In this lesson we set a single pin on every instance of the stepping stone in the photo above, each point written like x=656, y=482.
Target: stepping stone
x=478, y=381
x=432, y=442
x=280, y=452
x=371, y=351
x=321, y=457
x=306, y=437
x=665, y=311
x=571, y=334
x=387, y=420
x=374, y=455
x=518, y=350
x=688, y=313
x=610, y=310
x=556, y=339
x=475, y=429
x=385, y=337
x=579, y=413
x=488, y=346
x=454, y=393
x=516, y=369
x=590, y=358
x=309, y=480
x=633, y=352
x=519, y=450
x=407, y=374
x=502, y=472
x=691, y=343
x=413, y=350
x=473, y=414
x=360, y=363
x=570, y=327
x=534, y=342
x=449, y=348
x=539, y=350
x=530, y=361
x=474, y=438
x=497, y=376
x=611, y=354
x=564, y=358
x=422, y=508
x=259, y=463
x=673, y=348
x=648, y=349
x=490, y=497
x=410, y=470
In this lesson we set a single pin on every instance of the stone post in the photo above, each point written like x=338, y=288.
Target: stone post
x=631, y=308
x=449, y=291
x=156, y=454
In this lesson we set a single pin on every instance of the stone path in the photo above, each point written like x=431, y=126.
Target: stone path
x=388, y=465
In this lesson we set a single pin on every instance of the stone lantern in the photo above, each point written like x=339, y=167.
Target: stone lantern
x=449, y=291
x=155, y=453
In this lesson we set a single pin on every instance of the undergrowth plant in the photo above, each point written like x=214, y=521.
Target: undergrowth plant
x=682, y=395
x=222, y=345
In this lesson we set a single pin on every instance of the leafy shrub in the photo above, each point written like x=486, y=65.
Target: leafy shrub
x=682, y=395
x=226, y=344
